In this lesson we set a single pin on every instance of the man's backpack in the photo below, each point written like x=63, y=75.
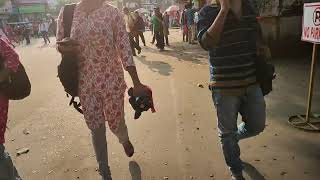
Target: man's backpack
x=18, y=85
x=265, y=73
x=68, y=71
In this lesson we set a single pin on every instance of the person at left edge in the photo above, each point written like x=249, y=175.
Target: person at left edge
x=10, y=63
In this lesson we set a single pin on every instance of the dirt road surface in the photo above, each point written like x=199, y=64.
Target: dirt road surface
x=179, y=142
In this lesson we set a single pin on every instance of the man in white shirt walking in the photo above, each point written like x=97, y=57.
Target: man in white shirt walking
x=43, y=30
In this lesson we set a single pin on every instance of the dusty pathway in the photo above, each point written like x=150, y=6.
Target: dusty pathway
x=179, y=141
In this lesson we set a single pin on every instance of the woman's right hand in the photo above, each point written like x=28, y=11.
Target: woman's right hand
x=67, y=46
x=67, y=49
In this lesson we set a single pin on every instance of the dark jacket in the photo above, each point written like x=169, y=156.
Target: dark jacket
x=140, y=26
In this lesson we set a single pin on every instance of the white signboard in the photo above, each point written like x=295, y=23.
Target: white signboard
x=311, y=23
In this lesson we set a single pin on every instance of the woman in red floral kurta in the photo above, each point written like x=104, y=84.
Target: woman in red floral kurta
x=104, y=51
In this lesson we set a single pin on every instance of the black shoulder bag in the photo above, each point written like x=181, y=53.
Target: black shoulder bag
x=18, y=85
x=68, y=71
x=265, y=71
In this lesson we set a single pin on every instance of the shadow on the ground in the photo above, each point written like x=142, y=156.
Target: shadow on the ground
x=252, y=172
x=301, y=146
x=289, y=98
x=290, y=88
x=157, y=66
x=135, y=170
x=185, y=52
x=190, y=53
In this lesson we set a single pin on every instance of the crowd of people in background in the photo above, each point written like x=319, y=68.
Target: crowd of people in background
x=189, y=20
x=158, y=23
x=21, y=32
x=136, y=23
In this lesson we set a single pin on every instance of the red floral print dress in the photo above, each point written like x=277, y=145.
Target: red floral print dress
x=11, y=62
x=104, y=52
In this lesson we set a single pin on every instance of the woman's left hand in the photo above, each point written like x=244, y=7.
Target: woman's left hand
x=140, y=89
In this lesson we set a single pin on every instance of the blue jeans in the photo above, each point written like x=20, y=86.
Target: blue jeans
x=7, y=169
x=252, y=108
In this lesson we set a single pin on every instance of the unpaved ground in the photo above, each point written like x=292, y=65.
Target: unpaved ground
x=179, y=141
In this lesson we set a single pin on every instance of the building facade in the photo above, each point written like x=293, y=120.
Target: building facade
x=162, y=4
x=5, y=12
x=198, y=4
x=149, y=4
x=30, y=10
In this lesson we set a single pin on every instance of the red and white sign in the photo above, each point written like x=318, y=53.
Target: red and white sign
x=311, y=23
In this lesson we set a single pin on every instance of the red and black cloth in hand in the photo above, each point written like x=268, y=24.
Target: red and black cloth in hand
x=141, y=103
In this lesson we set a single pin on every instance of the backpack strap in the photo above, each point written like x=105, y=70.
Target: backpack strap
x=68, y=13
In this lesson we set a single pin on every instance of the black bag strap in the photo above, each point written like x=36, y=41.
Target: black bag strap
x=76, y=105
x=68, y=13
